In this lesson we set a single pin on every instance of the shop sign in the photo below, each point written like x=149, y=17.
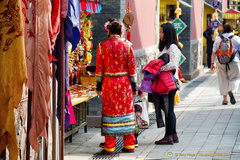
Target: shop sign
x=215, y=4
x=179, y=25
x=215, y=24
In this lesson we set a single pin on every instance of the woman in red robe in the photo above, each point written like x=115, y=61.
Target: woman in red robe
x=116, y=82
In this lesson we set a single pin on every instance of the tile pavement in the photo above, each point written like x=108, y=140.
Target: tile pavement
x=207, y=130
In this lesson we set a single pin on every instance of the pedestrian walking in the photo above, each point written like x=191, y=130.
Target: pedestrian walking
x=116, y=82
x=228, y=74
x=208, y=34
x=168, y=44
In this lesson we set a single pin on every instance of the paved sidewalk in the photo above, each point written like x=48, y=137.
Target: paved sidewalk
x=207, y=130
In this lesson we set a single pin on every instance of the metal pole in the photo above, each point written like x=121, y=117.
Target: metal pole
x=62, y=90
x=54, y=112
x=46, y=146
x=28, y=123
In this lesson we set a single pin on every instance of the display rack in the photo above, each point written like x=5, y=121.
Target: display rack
x=80, y=107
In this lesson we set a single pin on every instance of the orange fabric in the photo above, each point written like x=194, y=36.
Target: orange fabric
x=12, y=71
x=229, y=53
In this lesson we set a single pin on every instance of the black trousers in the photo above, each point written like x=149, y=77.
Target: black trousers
x=165, y=103
x=209, y=60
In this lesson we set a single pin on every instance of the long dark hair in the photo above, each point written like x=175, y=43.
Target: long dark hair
x=170, y=36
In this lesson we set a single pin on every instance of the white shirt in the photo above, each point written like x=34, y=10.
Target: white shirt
x=174, y=54
x=236, y=45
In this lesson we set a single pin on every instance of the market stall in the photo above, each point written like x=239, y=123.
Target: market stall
x=36, y=87
x=81, y=85
x=232, y=16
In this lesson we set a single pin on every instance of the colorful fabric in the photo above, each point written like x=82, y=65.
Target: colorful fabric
x=72, y=34
x=38, y=48
x=55, y=21
x=116, y=55
x=72, y=24
x=64, y=8
x=118, y=125
x=72, y=119
x=154, y=66
x=164, y=83
x=91, y=6
x=147, y=82
x=12, y=71
x=150, y=72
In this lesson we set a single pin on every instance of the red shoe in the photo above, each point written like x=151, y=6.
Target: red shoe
x=175, y=138
x=106, y=152
x=128, y=150
x=167, y=139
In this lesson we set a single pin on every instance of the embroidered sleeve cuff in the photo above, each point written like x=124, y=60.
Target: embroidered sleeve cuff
x=134, y=87
x=99, y=86
x=133, y=79
x=99, y=79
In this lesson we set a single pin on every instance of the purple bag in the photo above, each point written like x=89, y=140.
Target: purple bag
x=147, y=83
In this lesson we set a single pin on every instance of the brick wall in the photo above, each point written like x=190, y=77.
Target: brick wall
x=192, y=49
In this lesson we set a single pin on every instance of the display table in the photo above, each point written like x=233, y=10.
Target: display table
x=80, y=107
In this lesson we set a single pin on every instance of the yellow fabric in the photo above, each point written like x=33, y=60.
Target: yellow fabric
x=230, y=16
x=129, y=147
x=177, y=98
x=122, y=124
x=109, y=149
x=12, y=71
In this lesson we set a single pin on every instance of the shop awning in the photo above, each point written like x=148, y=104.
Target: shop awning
x=184, y=3
x=231, y=14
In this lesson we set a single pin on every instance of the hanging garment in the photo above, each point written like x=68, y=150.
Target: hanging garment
x=116, y=66
x=38, y=62
x=12, y=71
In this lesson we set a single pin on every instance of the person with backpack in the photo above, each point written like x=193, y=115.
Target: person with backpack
x=225, y=59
